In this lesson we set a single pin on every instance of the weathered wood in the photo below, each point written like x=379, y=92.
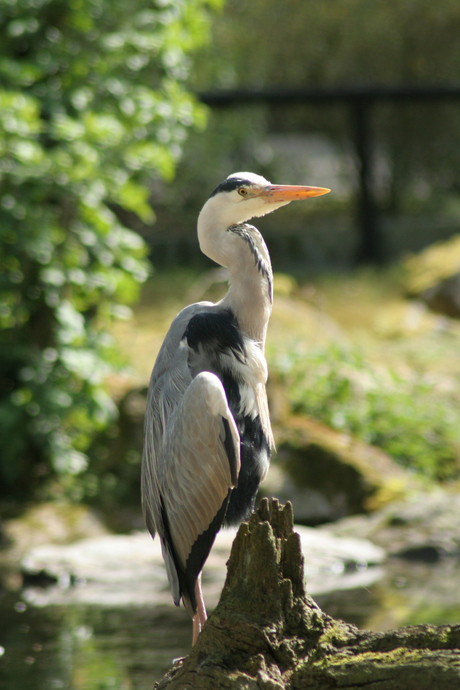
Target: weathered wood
x=268, y=634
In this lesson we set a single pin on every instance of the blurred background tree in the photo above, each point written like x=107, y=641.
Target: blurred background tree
x=92, y=106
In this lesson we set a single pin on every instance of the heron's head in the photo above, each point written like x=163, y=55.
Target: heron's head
x=245, y=195
x=237, y=199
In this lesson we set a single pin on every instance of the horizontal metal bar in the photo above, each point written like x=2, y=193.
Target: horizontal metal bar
x=327, y=94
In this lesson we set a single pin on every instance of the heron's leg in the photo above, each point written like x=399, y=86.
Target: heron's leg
x=200, y=617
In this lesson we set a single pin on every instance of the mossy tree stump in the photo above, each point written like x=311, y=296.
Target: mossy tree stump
x=268, y=634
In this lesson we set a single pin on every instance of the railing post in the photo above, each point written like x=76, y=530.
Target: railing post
x=370, y=249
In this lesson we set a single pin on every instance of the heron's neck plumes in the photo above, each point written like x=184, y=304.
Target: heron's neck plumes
x=242, y=250
x=250, y=293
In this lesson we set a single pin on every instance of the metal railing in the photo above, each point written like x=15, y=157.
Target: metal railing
x=359, y=100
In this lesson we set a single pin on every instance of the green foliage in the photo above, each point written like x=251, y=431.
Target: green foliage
x=407, y=418
x=92, y=104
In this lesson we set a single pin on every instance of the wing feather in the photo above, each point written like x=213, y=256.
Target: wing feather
x=168, y=383
x=196, y=479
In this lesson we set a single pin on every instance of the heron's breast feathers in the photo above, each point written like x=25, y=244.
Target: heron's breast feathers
x=215, y=343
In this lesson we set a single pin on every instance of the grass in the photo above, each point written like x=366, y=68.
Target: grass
x=403, y=416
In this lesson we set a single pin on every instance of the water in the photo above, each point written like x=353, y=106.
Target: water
x=88, y=647
x=409, y=593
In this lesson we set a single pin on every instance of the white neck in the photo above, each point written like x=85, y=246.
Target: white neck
x=250, y=290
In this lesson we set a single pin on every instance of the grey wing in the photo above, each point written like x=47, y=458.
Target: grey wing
x=191, y=460
x=199, y=463
x=168, y=383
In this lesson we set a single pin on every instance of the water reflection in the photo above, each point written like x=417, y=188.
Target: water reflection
x=88, y=647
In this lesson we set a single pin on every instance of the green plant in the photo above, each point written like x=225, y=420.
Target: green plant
x=92, y=104
x=406, y=417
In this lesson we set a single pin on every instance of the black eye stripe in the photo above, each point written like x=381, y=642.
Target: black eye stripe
x=231, y=184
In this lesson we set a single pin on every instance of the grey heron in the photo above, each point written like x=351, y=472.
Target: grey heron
x=207, y=435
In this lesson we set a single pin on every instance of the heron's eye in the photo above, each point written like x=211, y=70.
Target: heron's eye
x=242, y=191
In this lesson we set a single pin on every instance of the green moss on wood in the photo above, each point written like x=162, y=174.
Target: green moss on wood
x=268, y=634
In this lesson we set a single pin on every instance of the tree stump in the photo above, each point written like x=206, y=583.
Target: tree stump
x=268, y=634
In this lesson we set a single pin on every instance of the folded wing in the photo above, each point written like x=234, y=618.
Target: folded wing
x=197, y=466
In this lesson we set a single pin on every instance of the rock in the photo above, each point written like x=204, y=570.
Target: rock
x=113, y=570
x=424, y=527
x=328, y=475
x=60, y=523
x=434, y=276
x=128, y=570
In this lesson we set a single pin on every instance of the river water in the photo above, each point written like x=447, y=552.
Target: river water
x=88, y=647
x=100, y=647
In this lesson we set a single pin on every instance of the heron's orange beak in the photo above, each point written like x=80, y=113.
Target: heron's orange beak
x=284, y=192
